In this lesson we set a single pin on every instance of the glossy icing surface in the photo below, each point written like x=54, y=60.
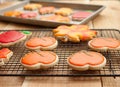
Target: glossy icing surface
x=105, y=42
x=44, y=41
x=4, y=52
x=44, y=57
x=10, y=36
x=86, y=57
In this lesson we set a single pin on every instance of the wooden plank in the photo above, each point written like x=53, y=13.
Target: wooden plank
x=61, y=82
x=109, y=18
x=9, y=81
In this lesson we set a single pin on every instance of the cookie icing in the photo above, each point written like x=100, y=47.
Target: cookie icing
x=83, y=58
x=44, y=57
x=10, y=36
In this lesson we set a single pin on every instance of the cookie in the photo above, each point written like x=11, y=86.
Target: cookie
x=39, y=60
x=44, y=43
x=12, y=13
x=103, y=44
x=46, y=10
x=86, y=60
x=28, y=15
x=74, y=33
x=64, y=11
x=32, y=6
x=5, y=55
x=78, y=16
x=56, y=18
x=9, y=38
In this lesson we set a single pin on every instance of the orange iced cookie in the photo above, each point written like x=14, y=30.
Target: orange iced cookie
x=47, y=10
x=102, y=44
x=5, y=55
x=32, y=6
x=44, y=43
x=39, y=60
x=74, y=33
x=86, y=60
x=12, y=13
x=56, y=18
x=64, y=11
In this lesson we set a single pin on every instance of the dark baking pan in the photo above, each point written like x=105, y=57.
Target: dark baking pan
x=96, y=9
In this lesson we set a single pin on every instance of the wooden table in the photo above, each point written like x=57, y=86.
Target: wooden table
x=109, y=18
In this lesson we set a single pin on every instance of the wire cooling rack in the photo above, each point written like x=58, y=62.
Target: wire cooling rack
x=14, y=68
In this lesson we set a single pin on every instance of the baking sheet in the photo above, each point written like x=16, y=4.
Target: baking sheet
x=96, y=9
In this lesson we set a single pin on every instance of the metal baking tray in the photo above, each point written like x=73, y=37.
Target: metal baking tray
x=96, y=9
x=14, y=68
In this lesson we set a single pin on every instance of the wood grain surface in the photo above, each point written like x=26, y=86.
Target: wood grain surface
x=109, y=18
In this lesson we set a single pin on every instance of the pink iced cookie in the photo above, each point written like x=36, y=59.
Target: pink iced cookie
x=28, y=15
x=80, y=15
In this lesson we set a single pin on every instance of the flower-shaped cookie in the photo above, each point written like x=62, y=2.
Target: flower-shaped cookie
x=55, y=18
x=5, y=55
x=39, y=60
x=44, y=43
x=11, y=37
x=103, y=44
x=32, y=6
x=86, y=60
x=64, y=11
x=74, y=33
x=46, y=10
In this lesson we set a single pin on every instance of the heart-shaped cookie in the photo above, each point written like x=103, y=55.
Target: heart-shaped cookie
x=5, y=55
x=44, y=43
x=39, y=60
x=11, y=37
x=102, y=43
x=84, y=60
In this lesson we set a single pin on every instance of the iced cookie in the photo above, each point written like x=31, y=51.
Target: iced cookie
x=74, y=33
x=12, y=13
x=28, y=15
x=56, y=18
x=41, y=60
x=5, y=55
x=86, y=60
x=44, y=43
x=103, y=44
x=64, y=11
x=32, y=6
x=80, y=15
x=11, y=37
x=46, y=10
